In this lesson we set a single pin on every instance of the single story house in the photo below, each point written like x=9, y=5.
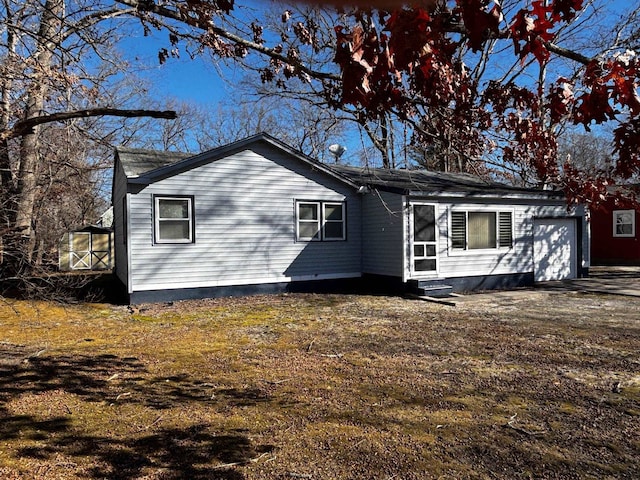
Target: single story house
x=615, y=239
x=258, y=215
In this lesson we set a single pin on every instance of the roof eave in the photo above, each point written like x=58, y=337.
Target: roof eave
x=491, y=195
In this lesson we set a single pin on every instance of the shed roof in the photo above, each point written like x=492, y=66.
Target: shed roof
x=93, y=229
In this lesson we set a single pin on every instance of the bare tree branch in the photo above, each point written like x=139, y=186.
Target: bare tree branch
x=93, y=19
x=566, y=53
x=25, y=127
x=552, y=47
x=179, y=16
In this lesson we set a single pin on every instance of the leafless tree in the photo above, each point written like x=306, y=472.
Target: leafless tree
x=57, y=59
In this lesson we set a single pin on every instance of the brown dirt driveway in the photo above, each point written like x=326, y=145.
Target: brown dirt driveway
x=624, y=281
x=606, y=280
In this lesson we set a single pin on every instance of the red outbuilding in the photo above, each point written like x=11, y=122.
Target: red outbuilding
x=615, y=239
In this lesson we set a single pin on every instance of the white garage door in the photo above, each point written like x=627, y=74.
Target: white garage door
x=554, y=249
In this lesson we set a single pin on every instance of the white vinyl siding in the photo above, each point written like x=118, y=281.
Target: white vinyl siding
x=383, y=234
x=245, y=226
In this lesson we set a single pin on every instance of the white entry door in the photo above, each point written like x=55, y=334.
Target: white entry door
x=424, y=238
x=554, y=249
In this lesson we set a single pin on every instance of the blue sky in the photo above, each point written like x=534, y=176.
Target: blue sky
x=198, y=80
x=194, y=80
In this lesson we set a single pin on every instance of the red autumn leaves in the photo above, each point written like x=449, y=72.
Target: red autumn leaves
x=415, y=59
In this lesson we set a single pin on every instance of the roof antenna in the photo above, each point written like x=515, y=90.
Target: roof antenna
x=337, y=150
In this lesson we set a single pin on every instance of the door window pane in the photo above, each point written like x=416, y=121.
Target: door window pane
x=425, y=265
x=424, y=223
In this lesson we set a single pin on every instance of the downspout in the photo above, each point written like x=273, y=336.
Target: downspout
x=406, y=256
x=362, y=191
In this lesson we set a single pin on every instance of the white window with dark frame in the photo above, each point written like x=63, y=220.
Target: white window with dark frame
x=481, y=230
x=624, y=223
x=320, y=221
x=173, y=219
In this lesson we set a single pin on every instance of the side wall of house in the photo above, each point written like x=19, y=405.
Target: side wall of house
x=383, y=236
x=244, y=226
x=504, y=261
x=518, y=259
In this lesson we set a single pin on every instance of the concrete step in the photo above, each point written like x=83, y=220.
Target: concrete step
x=427, y=283
x=431, y=290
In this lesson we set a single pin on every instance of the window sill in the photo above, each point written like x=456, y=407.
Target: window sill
x=174, y=242
x=326, y=240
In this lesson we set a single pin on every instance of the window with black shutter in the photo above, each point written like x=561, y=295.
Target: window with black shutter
x=481, y=230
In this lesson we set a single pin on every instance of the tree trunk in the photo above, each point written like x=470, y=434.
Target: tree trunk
x=19, y=245
x=6, y=86
x=49, y=32
x=7, y=206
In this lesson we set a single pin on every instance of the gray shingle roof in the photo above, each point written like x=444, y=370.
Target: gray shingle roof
x=137, y=161
x=428, y=182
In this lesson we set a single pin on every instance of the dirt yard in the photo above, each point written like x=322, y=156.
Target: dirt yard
x=510, y=386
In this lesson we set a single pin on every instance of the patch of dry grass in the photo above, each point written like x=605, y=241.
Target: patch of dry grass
x=322, y=387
